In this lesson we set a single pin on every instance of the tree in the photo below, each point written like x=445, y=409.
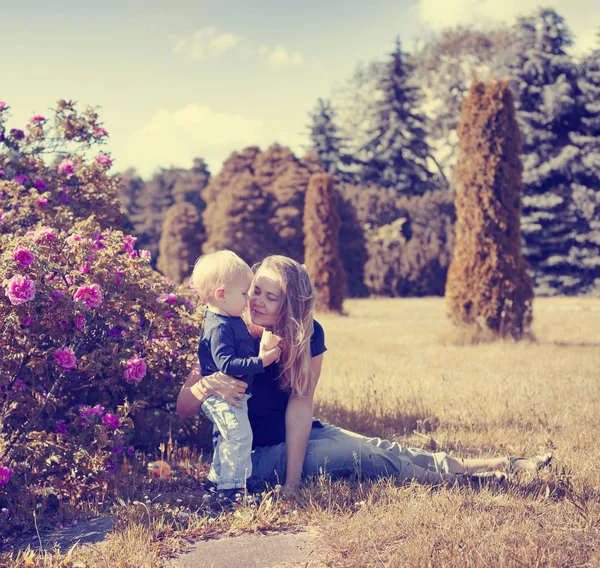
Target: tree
x=321, y=243
x=488, y=287
x=397, y=150
x=238, y=221
x=180, y=242
x=325, y=140
x=543, y=79
x=586, y=189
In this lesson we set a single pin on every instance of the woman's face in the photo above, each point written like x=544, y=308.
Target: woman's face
x=265, y=298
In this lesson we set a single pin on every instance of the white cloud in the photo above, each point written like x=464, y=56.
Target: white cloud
x=210, y=42
x=582, y=16
x=206, y=42
x=176, y=138
x=280, y=57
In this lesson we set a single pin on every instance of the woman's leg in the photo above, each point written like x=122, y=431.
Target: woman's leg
x=339, y=452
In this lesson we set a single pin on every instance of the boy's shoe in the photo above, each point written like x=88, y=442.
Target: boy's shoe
x=536, y=463
x=227, y=498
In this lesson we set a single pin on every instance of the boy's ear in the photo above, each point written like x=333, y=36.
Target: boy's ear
x=220, y=294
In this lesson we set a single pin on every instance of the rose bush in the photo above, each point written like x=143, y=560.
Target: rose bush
x=35, y=189
x=94, y=342
x=89, y=333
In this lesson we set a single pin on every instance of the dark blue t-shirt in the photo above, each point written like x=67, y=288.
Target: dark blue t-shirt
x=227, y=346
x=268, y=403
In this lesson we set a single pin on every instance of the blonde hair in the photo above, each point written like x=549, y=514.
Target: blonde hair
x=215, y=269
x=294, y=322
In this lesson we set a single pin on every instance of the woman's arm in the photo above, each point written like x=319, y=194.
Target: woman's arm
x=196, y=388
x=298, y=422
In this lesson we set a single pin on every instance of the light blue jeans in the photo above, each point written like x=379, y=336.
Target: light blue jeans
x=232, y=442
x=340, y=453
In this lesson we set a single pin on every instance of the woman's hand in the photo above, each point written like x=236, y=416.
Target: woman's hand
x=228, y=388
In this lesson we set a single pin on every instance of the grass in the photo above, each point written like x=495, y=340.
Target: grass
x=392, y=371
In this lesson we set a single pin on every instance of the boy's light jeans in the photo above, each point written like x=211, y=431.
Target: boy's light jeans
x=338, y=452
x=232, y=442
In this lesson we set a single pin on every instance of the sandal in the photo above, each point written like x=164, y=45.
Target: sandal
x=540, y=462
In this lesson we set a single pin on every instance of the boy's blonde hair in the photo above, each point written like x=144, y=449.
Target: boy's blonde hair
x=215, y=269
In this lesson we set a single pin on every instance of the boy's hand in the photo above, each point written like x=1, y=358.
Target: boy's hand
x=269, y=340
x=270, y=356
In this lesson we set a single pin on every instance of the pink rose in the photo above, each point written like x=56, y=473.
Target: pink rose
x=20, y=289
x=2, y=105
x=135, y=369
x=27, y=322
x=100, y=132
x=104, y=160
x=91, y=296
x=65, y=358
x=41, y=234
x=129, y=243
x=67, y=166
x=42, y=202
x=38, y=118
x=111, y=421
x=23, y=256
x=5, y=475
x=21, y=179
x=167, y=299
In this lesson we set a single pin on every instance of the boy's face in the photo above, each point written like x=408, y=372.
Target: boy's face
x=236, y=295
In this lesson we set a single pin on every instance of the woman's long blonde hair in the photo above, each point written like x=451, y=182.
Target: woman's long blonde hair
x=294, y=322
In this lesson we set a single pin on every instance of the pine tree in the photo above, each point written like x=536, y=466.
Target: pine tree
x=488, y=287
x=397, y=150
x=586, y=190
x=325, y=140
x=321, y=243
x=543, y=79
x=180, y=242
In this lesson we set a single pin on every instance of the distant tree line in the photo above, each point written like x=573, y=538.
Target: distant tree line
x=389, y=139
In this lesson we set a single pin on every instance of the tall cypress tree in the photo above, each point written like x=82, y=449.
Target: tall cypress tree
x=322, y=243
x=397, y=150
x=543, y=78
x=488, y=287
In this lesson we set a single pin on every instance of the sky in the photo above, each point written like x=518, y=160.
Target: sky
x=178, y=79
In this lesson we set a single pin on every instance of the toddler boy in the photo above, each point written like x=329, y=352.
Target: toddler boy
x=222, y=280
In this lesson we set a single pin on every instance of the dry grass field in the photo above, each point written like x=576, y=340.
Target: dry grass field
x=393, y=370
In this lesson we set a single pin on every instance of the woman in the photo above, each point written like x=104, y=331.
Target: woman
x=288, y=442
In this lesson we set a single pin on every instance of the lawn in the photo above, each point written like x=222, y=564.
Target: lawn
x=393, y=369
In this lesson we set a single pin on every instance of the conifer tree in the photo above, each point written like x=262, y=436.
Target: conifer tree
x=321, y=243
x=488, y=287
x=325, y=140
x=180, y=242
x=237, y=220
x=543, y=78
x=397, y=149
x=586, y=189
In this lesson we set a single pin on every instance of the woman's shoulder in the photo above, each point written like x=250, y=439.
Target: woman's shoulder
x=317, y=340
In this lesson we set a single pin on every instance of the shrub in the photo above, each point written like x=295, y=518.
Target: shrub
x=60, y=192
x=488, y=286
x=409, y=240
x=90, y=333
x=321, y=243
